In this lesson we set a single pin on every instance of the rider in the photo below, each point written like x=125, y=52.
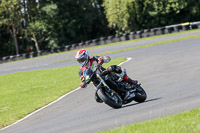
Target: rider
x=82, y=56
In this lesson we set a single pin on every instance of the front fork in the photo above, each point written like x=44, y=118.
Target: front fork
x=97, y=87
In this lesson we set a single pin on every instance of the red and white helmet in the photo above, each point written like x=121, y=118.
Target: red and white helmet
x=82, y=56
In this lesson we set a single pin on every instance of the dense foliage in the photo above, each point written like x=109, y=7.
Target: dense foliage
x=132, y=15
x=34, y=25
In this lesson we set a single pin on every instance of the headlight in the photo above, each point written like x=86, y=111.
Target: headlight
x=87, y=77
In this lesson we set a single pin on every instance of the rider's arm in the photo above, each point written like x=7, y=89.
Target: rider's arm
x=83, y=84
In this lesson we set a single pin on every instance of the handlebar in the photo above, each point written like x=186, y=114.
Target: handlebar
x=88, y=81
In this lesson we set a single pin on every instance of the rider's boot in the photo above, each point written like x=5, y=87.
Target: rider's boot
x=130, y=81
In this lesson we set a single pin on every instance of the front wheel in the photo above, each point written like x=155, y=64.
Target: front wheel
x=140, y=95
x=111, y=99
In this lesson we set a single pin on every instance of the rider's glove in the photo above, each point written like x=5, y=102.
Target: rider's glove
x=83, y=85
x=100, y=62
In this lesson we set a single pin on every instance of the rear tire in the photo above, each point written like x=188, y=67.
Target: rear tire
x=140, y=95
x=112, y=101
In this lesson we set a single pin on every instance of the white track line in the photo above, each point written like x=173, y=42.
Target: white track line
x=128, y=59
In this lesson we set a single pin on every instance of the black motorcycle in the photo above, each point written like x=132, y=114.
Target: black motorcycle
x=112, y=91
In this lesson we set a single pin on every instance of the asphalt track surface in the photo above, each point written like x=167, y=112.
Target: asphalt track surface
x=169, y=73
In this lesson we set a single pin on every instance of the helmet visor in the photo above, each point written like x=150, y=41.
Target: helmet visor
x=81, y=60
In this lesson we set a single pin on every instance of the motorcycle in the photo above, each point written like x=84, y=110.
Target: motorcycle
x=111, y=90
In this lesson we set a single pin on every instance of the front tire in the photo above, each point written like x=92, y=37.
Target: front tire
x=113, y=100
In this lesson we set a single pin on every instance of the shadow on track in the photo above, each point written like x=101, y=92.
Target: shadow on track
x=154, y=99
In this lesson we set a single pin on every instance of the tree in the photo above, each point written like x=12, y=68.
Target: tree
x=117, y=14
x=6, y=42
x=11, y=18
x=51, y=23
x=39, y=25
x=79, y=21
x=30, y=11
x=133, y=15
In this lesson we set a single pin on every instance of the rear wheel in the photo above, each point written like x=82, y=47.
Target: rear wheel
x=140, y=95
x=112, y=99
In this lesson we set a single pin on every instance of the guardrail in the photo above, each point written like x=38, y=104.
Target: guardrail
x=109, y=39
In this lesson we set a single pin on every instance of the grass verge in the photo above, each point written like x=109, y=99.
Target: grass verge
x=186, y=122
x=25, y=92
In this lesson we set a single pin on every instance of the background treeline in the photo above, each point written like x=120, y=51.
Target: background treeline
x=34, y=25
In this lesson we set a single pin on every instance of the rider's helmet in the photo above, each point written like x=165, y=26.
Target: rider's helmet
x=82, y=56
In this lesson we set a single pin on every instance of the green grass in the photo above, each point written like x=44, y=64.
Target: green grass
x=186, y=122
x=24, y=92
